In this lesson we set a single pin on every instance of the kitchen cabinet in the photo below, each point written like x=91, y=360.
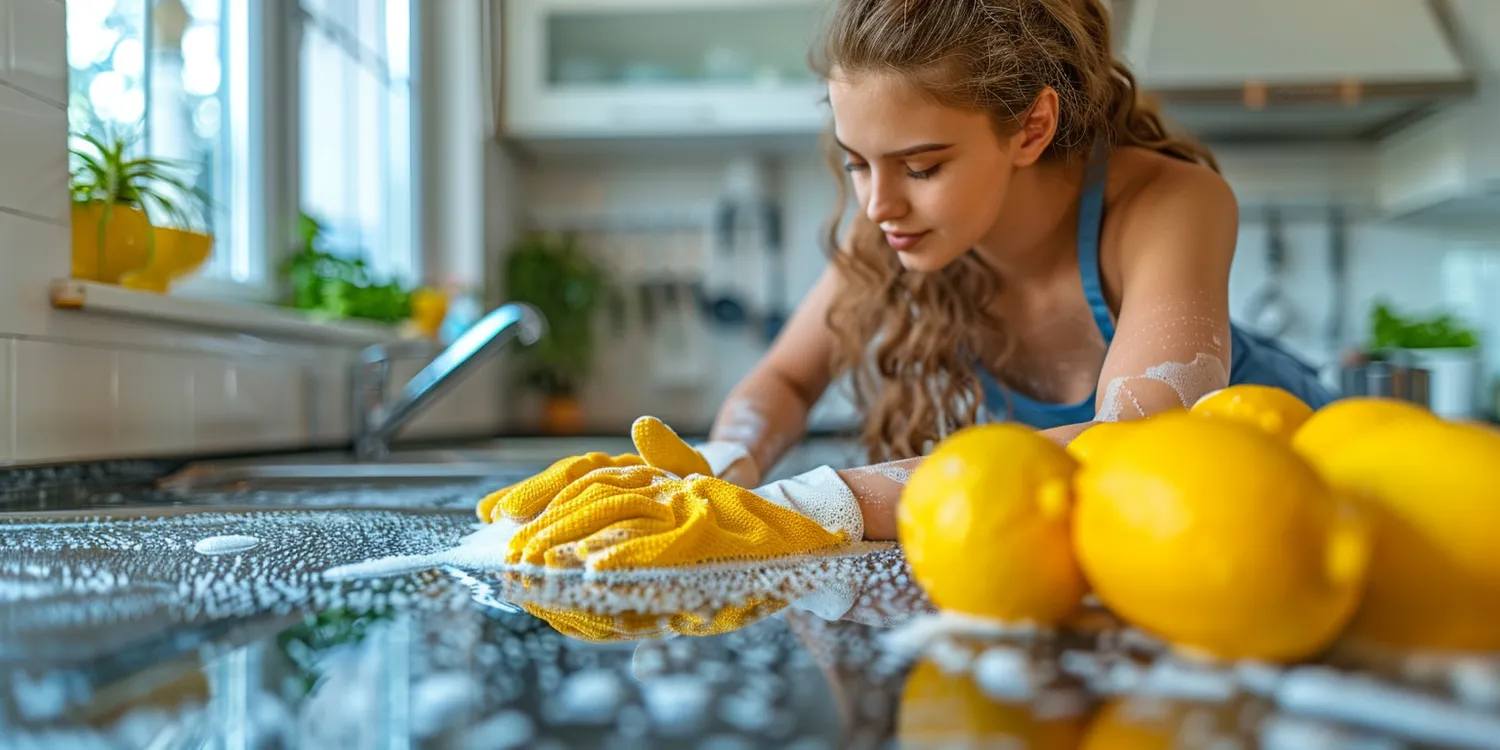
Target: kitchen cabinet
x=661, y=68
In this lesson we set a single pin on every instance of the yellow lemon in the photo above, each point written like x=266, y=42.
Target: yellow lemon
x=1153, y=722
x=1434, y=574
x=943, y=710
x=1271, y=409
x=984, y=523
x=1102, y=434
x=1341, y=421
x=1220, y=539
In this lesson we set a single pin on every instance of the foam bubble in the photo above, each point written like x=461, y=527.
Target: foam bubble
x=1188, y=380
x=225, y=544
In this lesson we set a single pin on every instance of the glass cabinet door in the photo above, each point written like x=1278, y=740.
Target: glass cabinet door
x=765, y=46
x=606, y=68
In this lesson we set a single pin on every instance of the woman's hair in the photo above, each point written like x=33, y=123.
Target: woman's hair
x=910, y=340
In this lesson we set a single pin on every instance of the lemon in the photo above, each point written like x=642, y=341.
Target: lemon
x=1217, y=537
x=984, y=524
x=1434, y=573
x=1337, y=423
x=1274, y=410
x=1154, y=722
x=942, y=710
x=1102, y=434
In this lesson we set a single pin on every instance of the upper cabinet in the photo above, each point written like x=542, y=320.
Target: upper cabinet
x=661, y=68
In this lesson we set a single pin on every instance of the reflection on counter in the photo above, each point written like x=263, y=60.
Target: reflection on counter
x=209, y=622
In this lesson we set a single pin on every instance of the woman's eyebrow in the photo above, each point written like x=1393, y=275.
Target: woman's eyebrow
x=920, y=148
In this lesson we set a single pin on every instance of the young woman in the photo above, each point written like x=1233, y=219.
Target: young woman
x=1031, y=245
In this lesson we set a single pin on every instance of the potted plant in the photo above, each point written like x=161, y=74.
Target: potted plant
x=553, y=274
x=135, y=219
x=1443, y=346
x=336, y=287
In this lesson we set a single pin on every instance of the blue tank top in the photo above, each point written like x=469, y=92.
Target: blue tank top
x=1256, y=359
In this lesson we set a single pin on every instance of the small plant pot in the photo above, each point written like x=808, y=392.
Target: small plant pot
x=562, y=415
x=105, y=248
x=178, y=253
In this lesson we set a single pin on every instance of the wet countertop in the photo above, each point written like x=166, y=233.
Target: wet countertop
x=131, y=617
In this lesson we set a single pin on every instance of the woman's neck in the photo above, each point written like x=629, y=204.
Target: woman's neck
x=1037, y=230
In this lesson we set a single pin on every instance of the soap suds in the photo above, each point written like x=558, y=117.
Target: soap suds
x=226, y=544
x=1190, y=381
x=742, y=422
x=893, y=470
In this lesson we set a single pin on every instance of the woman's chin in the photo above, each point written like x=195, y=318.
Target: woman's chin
x=924, y=260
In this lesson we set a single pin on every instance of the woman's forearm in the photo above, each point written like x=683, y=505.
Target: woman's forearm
x=878, y=488
x=765, y=415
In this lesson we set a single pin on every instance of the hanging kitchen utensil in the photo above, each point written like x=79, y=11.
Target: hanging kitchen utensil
x=1270, y=313
x=725, y=308
x=1338, y=260
x=776, y=312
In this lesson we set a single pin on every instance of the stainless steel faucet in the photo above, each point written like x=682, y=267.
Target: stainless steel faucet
x=376, y=421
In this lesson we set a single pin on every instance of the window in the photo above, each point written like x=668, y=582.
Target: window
x=356, y=131
x=171, y=75
x=197, y=81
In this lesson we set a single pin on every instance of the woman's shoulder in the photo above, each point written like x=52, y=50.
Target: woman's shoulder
x=1160, y=210
x=1144, y=180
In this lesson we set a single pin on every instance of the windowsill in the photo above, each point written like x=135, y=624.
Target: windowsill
x=94, y=298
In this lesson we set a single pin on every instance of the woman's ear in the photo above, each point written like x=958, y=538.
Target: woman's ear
x=1038, y=126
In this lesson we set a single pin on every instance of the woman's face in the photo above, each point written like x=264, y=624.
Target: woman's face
x=933, y=178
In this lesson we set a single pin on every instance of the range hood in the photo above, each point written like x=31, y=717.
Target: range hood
x=1294, y=70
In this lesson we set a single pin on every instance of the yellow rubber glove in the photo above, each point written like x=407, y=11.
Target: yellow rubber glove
x=656, y=444
x=643, y=517
x=636, y=626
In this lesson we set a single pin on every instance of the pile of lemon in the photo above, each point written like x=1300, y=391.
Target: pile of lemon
x=1246, y=527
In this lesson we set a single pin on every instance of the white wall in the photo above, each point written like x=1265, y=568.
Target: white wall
x=77, y=386
x=1406, y=265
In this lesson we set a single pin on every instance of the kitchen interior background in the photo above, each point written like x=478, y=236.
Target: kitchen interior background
x=432, y=138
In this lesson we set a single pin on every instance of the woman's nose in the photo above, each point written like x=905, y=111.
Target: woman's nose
x=886, y=202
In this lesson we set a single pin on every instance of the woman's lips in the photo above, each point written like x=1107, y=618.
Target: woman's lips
x=904, y=241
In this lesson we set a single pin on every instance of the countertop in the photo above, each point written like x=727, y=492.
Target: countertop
x=132, y=617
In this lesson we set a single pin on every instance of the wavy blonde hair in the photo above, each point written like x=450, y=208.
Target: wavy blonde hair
x=910, y=340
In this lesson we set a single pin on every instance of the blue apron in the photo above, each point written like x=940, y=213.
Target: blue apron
x=1256, y=359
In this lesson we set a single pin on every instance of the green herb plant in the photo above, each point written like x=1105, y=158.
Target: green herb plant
x=338, y=287
x=1391, y=330
x=104, y=173
x=555, y=275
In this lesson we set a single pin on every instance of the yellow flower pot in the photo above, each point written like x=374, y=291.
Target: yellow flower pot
x=179, y=252
x=106, y=247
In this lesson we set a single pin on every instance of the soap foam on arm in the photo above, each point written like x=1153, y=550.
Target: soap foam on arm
x=1167, y=357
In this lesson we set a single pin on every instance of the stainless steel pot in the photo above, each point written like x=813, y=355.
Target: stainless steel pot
x=1387, y=379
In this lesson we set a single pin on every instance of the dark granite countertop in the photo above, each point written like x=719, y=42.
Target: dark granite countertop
x=135, y=618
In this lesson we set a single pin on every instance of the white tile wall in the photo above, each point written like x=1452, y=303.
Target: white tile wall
x=7, y=403
x=33, y=47
x=66, y=400
x=33, y=142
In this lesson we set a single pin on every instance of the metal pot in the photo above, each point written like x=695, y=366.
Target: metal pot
x=1387, y=379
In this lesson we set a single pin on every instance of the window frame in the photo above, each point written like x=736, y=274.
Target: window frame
x=268, y=189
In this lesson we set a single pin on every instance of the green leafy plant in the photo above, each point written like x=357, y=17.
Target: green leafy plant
x=340, y=287
x=1390, y=330
x=553, y=274
x=104, y=173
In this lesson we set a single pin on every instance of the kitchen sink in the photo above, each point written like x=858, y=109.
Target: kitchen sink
x=497, y=461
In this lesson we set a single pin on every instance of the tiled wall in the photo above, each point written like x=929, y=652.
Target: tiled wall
x=1419, y=268
x=76, y=386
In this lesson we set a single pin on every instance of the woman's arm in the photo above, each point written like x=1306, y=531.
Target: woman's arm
x=766, y=412
x=1171, y=345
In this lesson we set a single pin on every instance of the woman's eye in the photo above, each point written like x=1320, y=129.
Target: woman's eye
x=922, y=174
x=853, y=166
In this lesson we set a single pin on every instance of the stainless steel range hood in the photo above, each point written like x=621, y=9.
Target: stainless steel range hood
x=1294, y=70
